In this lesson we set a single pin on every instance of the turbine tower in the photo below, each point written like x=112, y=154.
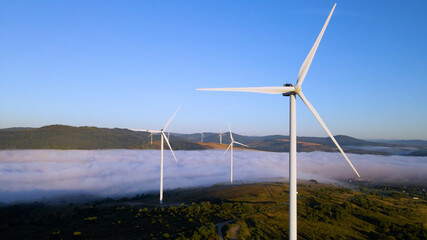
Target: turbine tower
x=291, y=92
x=231, y=152
x=163, y=138
x=201, y=137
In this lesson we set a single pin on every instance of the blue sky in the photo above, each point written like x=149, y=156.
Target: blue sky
x=130, y=64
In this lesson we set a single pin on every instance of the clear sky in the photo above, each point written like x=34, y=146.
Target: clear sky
x=130, y=64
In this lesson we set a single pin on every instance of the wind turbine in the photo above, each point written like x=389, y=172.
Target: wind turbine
x=231, y=152
x=162, y=139
x=220, y=137
x=292, y=91
x=201, y=137
x=150, y=136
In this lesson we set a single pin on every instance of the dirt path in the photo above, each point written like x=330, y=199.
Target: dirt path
x=221, y=225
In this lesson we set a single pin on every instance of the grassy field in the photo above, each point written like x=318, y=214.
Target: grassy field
x=252, y=211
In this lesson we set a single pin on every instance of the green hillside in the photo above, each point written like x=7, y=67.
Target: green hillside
x=67, y=137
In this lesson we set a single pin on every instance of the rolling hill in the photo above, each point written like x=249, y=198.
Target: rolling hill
x=280, y=143
x=67, y=137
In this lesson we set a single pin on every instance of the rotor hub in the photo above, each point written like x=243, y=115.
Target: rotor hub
x=297, y=89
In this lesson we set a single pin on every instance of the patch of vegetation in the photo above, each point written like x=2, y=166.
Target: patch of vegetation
x=249, y=211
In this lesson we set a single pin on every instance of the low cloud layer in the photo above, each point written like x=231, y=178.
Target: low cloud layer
x=28, y=175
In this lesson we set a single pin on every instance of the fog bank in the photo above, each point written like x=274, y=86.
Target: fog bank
x=28, y=175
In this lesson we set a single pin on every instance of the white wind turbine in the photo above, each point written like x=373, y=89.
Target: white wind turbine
x=162, y=139
x=150, y=136
x=201, y=137
x=231, y=152
x=220, y=137
x=292, y=91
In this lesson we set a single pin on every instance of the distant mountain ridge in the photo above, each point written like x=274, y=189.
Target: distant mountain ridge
x=16, y=128
x=280, y=143
x=417, y=142
x=68, y=137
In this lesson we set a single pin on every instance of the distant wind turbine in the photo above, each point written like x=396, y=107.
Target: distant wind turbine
x=292, y=91
x=151, y=137
x=231, y=152
x=220, y=137
x=162, y=139
x=201, y=137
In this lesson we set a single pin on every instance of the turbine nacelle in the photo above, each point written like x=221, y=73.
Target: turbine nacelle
x=287, y=94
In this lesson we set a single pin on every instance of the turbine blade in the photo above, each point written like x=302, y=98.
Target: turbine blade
x=231, y=135
x=154, y=131
x=316, y=115
x=139, y=130
x=307, y=62
x=268, y=90
x=167, y=124
x=142, y=130
x=227, y=148
x=241, y=144
x=167, y=141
